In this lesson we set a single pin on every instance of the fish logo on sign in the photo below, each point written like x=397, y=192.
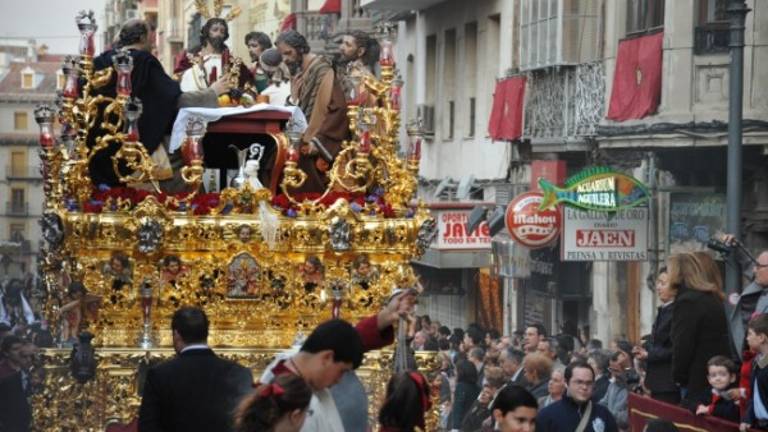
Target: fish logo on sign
x=600, y=189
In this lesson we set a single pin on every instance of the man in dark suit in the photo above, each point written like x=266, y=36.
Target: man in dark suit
x=197, y=390
x=15, y=411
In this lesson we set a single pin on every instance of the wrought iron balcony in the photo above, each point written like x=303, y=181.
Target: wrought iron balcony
x=566, y=102
x=16, y=208
x=712, y=38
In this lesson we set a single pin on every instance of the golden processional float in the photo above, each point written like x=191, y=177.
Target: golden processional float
x=266, y=264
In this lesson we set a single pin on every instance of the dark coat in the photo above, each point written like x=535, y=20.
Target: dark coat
x=699, y=332
x=15, y=412
x=758, y=376
x=601, y=387
x=463, y=398
x=196, y=391
x=658, y=376
x=564, y=415
x=159, y=95
x=473, y=420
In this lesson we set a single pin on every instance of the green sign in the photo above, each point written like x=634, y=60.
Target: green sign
x=600, y=189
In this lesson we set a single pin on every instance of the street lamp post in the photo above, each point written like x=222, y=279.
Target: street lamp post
x=737, y=12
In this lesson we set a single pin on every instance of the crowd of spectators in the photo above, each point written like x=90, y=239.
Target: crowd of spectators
x=691, y=358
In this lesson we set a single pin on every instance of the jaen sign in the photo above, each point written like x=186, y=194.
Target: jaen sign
x=601, y=236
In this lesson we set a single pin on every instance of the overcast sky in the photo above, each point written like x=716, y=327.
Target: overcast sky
x=51, y=22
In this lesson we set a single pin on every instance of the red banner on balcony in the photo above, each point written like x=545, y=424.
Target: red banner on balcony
x=289, y=23
x=331, y=7
x=506, y=122
x=637, y=80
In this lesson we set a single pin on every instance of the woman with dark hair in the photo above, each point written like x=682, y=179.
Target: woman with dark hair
x=699, y=327
x=514, y=410
x=406, y=401
x=277, y=407
x=465, y=393
x=657, y=350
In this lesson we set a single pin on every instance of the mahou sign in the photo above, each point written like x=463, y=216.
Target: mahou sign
x=452, y=232
x=529, y=226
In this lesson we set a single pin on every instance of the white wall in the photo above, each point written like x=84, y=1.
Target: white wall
x=462, y=155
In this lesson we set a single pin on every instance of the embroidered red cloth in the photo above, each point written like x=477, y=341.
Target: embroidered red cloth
x=506, y=122
x=331, y=7
x=289, y=23
x=637, y=80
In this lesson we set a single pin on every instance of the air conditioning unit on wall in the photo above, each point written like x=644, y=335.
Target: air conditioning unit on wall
x=426, y=113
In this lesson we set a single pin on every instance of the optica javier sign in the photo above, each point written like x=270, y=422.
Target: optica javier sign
x=601, y=236
x=452, y=232
x=529, y=226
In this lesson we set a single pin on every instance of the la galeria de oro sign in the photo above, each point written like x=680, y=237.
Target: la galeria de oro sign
x=598, y=214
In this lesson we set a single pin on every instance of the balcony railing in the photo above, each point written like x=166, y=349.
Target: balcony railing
x=712, y=38
x=29, y=173
x=317, y=27
x=14, y=208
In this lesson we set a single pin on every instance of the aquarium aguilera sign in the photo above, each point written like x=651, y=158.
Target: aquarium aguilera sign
x=529, y=226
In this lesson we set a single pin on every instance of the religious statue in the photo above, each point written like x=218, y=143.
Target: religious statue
x=243, y=276
x=80, y=310
x=312, y=273
x=199, y=68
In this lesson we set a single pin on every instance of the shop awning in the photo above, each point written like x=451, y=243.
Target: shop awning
x=506, y=122
x=637, y=81
x=455, y=259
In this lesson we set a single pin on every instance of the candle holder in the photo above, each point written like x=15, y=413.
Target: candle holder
x=133, y=109
x=192, y=153
x=49, y=154
x=293, y=176
x=86, y=23
x=123, y=64
x=395, y=93
x=413, y=153
x=146, y=338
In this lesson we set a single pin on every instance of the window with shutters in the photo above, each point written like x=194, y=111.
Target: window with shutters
x=644, y=16
x=558, y=32
x=20, y=120
x=712, y=34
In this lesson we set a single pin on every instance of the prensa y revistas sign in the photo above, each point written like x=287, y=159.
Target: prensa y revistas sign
x=601, y=236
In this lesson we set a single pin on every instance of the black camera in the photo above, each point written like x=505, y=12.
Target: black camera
x=719, y=246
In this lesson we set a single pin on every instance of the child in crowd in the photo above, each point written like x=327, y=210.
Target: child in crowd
x=757, y=408
x=277, y=407
x=514, y=410
x=722, y=374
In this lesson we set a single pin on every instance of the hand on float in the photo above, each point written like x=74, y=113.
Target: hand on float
x=222, y=85
x=308, y=149
x=400, y=305
x=744, y=427
x=640, y=353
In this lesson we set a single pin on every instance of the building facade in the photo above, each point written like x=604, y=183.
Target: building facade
x=451, y=54
x=28, y=80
